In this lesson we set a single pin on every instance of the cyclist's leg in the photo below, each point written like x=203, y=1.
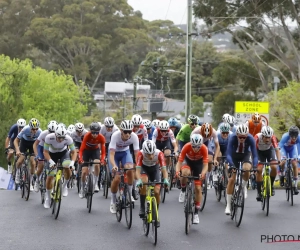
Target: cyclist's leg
x=95, y=156
x=259, y=180
x=185, y=171
x=84, y=171
x=196, y=168
x=66, y=160
x=247, y=165
x=271, y=157
x=127, y=163
x=144, y=178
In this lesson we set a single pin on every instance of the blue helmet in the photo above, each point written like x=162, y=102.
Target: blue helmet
x=173, y=122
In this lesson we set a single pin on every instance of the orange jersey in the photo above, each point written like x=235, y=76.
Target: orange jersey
x=90, y=143
x=187, y=151
x=254, y=129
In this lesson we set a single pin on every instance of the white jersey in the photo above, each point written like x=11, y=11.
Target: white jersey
x=42, y=137
x=53, y=146
x=108, y=134
x=158, y=158
x=118, y=145
x=213, y=135
x=78, y=138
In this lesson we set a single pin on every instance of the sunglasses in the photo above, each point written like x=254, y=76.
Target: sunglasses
x=136, y=126
x=34, y=129
x=148, y=128
x=242, y=137
x=109, y=126
x=231, y=124
x=164, y=131
x=225, y=133
x=197, y=146
x=267, y=137
x=20, y=127
x=192, y=124
x=127, y=132
x=94, y=132
x=60, y=138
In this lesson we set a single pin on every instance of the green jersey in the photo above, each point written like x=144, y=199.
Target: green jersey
x=185, y=133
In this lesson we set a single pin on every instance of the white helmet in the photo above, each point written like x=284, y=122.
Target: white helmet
x=155, y=123
x=163, y=125
x=231, y=120
x=226, y=117
x=71, y=128
x=196, y=139
x=136, y=120
x=147, y=123
x=224, y=127
x=100, y=124
x=62, y=124
x=149, y=147
x=79, y=127
x=267, y=131
x=21, y=123
x=109, y=122
x=242, y=129
x=60, y=131
x=126, y=125
x=52, y=126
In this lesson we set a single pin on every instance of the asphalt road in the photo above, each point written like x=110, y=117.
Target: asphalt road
x=27, y=225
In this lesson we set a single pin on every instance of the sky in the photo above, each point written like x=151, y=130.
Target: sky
x=174, y=10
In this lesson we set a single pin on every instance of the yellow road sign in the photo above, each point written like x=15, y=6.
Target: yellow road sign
x=251, y=107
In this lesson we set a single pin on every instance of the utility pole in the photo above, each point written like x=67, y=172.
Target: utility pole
x=134, y=94
x=189, y=47
x=104, y=106
x=124, y=106
x=276, y=82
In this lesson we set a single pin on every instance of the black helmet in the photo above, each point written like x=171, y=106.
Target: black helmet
x=293, y=131
x=193, y=119
x=95, y=126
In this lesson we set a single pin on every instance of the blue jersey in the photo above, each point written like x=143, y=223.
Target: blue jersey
x=28, y=135
x=232, y=129
x=223, y=142
x=248, y=144
x=151, y=133
x=287, y=143
x=13, y=132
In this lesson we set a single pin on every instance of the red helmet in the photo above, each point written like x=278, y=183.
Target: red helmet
x=256, y=117
x=206, y=130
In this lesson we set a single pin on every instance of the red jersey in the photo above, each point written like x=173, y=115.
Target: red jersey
x=141, y=132
x=90, y=143
x=187, y=151
x=158, y=158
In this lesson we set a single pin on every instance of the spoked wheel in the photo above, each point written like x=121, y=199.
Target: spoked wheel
x=218, y=190
x=239, y=207
x=204, y=194
x=119, y=208
x=162, y=193
x=107, y=181
x=187, y=211
x=233, y=207
x=263, y=200
x=128, y=209
x=78, y=179
x=89, y=195
x=57, y=199
x=268, y=197
x=154, y=221
x=26, y=183
x=146, y=226
x=43, y=187
x=291, y=188
x=287, y=186
x=172, y=175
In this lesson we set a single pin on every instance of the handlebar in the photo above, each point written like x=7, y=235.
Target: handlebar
x=268, y=163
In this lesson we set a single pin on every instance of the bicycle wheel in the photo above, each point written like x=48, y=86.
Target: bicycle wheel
x=128, y=208
x=43, y=187
x=204, y=194
x=233, y=207
x=146, y=225
x=287, y=185
x=218, y=189
x=187, y=211
x=119, y=208
x=57, y=199
x=78, y=179
x=26, y=183
x=103, y=179
x=107, y=181
x=263, y=198
x=240, y=201
x=162, y=193
x=90, y=192
x=291, y=187
x=171, y=176
x=154, y=221
x=21, y=182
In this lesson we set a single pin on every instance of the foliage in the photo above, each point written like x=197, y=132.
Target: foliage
x=197, y=106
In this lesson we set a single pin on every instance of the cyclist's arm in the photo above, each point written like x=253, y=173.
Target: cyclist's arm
x=229, y=150
x=7, y=142
x=16, y=143
x=46, y=152
x=173, y=141
x=112, y=158
x=253, y=151
x=204, y=152
x=73, y=152
x=139, y=163
x=154, y=136
x=162, y=163
x=35, y=145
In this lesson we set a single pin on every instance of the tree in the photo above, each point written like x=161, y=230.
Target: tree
x=197, y=106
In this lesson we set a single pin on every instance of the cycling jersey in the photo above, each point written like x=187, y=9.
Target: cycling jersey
x=185, y=133
x=213, y=135
x=158, y=136
x=141, y=132
x=261, y=145
x=286, y=141
x=28, y=135
x=159, y=157
x=253, y=127
x=107, y=134
x=118, y=145
x=187, y=151
x=91, y=143
x=78, y=138
x=13, y=132
x=42, y=137
x=150, y=134
x=53, y=146
x=223, y=142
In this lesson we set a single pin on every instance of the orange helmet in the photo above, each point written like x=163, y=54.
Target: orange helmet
x=256, y=117
x=206, y=130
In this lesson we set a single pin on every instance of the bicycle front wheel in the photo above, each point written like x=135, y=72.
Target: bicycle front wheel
x=119, y=208
x=128, y=208
x=187, y=211
x=43, y=187
x=204, y=194
x=107, y=181
x=26, y=183
x=154, y=221
x=291, y=187
x=239, y=206
x=89, y=195
x=268, y=186
x=57, y=199
x=171, y=176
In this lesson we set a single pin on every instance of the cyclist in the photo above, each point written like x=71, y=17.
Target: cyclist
x=56, y=148
x=231, y=121
x=288, y=148
x=26, y=138
x=38, y=148
x=175, y=126
x=139, y=129
x=107, y=129
x=9, y=141
x=193, y=159
x=149, y=162
x=267, y=147
x=150, y=128
x=223, y=137
x=90, y=151
x=162, y=137
x=239, y=149
x=155, y=123
x=255, y=124
x=71, y=129
x=183, y=135
x=78, y=134
x=119, y=153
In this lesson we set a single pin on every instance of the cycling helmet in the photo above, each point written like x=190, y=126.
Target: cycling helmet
x=163, y=125
x=136, y=120
x=256, y=117
x=224, y=127
x=34, y=123
x=267, y=131
x=242, y=129
x=206, y=130
x=173, y=122
x=155, y=123
x=62, y=124
x=79, y=127
x=21, y=123
x=293, y=131
x=231, y=120
x=193, y=119
x=109, y=122
x=60, y=131
x=100, y=124
x=52, y=126
x=225, y=117
x=126, y=125
x=149, y=147
x=71, y=128
x=147, y=123
x=196, y=140
x=95, y=126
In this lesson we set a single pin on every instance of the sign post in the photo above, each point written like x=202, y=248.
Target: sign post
x=243, y=110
